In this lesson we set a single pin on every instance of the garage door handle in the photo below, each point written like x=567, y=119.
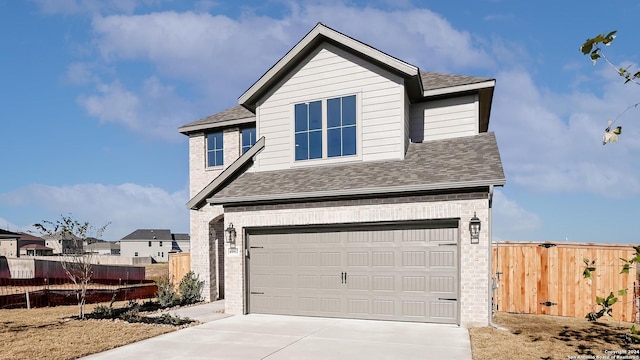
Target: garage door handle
x=344, y=278
x=447, y=299
x=257, y=293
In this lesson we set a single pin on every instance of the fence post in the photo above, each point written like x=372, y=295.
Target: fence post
x=28, y=302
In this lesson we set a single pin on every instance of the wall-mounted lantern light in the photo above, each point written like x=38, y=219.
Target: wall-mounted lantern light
x=231, y=235
x=474, y=229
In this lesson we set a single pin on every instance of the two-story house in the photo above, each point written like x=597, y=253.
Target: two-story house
x=347, y=183
x=154, y=243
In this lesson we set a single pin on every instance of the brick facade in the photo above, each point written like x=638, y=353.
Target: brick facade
x=474, y=258
x=207, y=223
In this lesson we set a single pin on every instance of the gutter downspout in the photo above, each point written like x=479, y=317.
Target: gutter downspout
x=491, y=323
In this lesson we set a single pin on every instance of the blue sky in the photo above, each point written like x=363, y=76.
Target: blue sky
x=92, y=93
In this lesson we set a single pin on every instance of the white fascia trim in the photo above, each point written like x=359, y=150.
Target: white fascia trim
x=219, y=124
x=460, y=88
x=355, y=192
x=318, y=30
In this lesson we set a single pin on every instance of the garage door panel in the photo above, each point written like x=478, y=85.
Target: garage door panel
x=401, y=274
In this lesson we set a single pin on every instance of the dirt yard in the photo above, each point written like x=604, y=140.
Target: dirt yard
x=49, y=333
x=544, y=337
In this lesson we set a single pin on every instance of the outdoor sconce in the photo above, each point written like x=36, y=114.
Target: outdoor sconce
x=231, y=235
x=474, y=229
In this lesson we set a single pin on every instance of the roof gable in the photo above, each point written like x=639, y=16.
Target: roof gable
x=321, y=33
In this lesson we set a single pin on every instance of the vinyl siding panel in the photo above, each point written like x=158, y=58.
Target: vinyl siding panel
x=407, y=121
x=330, y=72
x=442, y=119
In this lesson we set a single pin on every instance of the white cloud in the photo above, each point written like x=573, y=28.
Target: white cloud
x=219, y=57
x=93, y=7
x=510, y=220
x=553, y=142
x=127, y=206
x=154, y=110
x=8, y=225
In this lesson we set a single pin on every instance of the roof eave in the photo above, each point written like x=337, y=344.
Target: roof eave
x=460, y=88
x=186, y=130
x=196, y=202
x=318, y=34
x=355, y=192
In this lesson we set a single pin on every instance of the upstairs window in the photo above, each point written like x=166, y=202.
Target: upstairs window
x=149, y=243
x=248, y=138
x=308, y=130
x=215, y=153
x=329, y=124
x=341, y=126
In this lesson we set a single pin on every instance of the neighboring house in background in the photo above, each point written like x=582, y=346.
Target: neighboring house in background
x=9, y=246
x=13, y=244
x=350, y=179
x=65, y=244
x=102, y=247
x=155, y=243
x=31, y=245
x=35, y=250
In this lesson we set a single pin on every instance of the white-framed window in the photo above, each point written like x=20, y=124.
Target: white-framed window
x=159, y=243
x=326, y=128
x=215, y=149
x=248, y=138
x=135, y=253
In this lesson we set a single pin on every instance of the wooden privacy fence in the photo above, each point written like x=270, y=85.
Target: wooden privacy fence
x=179, y=266
x=546, y=278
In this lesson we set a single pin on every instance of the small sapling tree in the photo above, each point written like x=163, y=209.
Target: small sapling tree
x=77, y=265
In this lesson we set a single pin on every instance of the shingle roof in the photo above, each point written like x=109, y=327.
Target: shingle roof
x=432, y=80
x=181, y=237
x=8, y=234
x=433, y=165
x=149, y=234
x=26, y=236
x=237, y=114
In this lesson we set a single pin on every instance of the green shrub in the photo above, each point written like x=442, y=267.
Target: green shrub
x=166, y=294
x=190, y=289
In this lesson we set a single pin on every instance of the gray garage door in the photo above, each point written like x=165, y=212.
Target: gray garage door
x=399, y=274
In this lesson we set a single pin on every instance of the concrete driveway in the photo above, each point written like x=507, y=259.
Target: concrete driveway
x=277, y=337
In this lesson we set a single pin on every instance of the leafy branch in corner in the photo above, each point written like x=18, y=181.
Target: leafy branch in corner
x=606, y=303
x=593, y=48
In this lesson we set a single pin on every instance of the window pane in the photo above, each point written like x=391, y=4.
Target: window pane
x=219, y=158
x=301, y=117
x=315, y=115
x=211, y=142
x=315, y=144
x=211, y=158
x=334, y=143
x=302, y=146
x=333, y=112
x=349, y=140
x=248, y=136
x=349, y=110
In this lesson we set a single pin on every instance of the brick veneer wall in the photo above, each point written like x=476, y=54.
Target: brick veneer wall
x=474, y=258
x=204, y=230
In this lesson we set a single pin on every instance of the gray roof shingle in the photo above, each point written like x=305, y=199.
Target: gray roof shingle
x=432, y=80
x=149, y=234
x=237, y=112
x=434, y=165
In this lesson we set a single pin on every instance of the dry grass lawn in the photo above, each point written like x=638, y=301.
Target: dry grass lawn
x=156, y=271
x=551, y=337
x=48, y=333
